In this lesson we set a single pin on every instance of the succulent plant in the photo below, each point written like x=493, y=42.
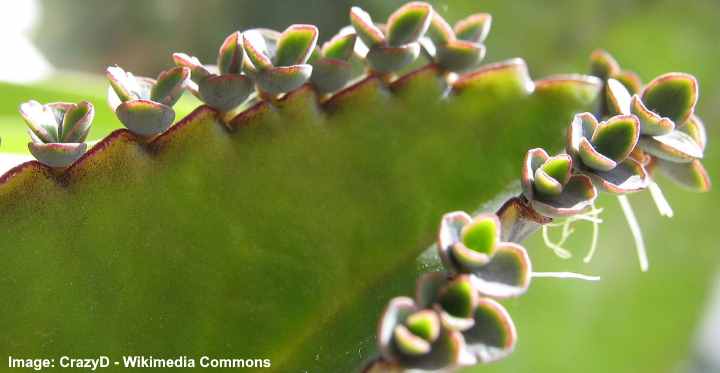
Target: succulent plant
x=142, y=104
x=332, y=69
x=223, y=87
x=667, y=103
x=472, y=246
x=601, y=151
x=57, y=130
x=412, y=337
x=446, y=326
x=487, y=329
x=278, y=61
x=551, y=187
x=458, y=48
x=394, y=45
x=672, y=138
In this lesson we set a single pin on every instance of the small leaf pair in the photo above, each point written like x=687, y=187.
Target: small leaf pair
x=142, y=104
x=410, y=337
x=672, y=139
x=448, y=325
x=665, y=104
x=394, y=45
x=551, y=188
x=223, y=89
x=460, y=48
x=57, y=130
x=472, y=246
x=278, y=61
x=487, y=329
x=332, y=69
x=689, y=174
x=601, y=151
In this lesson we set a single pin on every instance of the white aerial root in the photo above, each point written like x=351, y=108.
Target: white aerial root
x=567, y=230
x=568, y=275
x=636, y=232
x=660, y=201
x=595, y=233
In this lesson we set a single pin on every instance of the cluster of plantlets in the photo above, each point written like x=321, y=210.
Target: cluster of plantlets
x=454, y=319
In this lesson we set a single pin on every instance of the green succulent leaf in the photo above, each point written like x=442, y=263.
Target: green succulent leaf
x=230, y=55
x=630, y=80
x=603, y=64
x=545, y=184
x=691, y=175
x=330, y=75
x=459, y=55
x=256, y=51
x=577, y=195
x=617, y=137
x=672, y=95
x=651, y=124
x=458, y=298
x=225, y=92
x=618, y=98
x=695, y=128
x=628, y=176
x=340, y=47
x=365, y=28
x=408, y=343
x=481, y=234
x=170, y=85
x=391, y=59
x=144, y=117
x=395, y=313
x=474, y=28
x=295, y=45
x=507, y=274
x=593, y=159
x=41, y=120
x=439, y=31
x=559, y=168
x=283, y=79
x=124, y=84
x=534, y=158
x=676, y=146
x=408, y=23
x=494, y=336
x=76, y=122
x=424, y=324
x=58, y=155
x=198, y=71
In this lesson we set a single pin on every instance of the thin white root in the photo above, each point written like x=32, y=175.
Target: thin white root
x=595, y=233
x=660, y=201
x=636, y=232
x=567, y=230
x=572, y=275
x=559, y=250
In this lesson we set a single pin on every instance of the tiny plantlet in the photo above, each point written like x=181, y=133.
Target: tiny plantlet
x=304, y=186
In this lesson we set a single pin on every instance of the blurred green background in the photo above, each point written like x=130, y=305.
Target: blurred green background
x=628, y=322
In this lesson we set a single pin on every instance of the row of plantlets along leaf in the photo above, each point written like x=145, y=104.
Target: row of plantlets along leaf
x=263, y=64
x=454, y=319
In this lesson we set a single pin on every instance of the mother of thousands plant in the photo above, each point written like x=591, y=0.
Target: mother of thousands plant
x=621, y=133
